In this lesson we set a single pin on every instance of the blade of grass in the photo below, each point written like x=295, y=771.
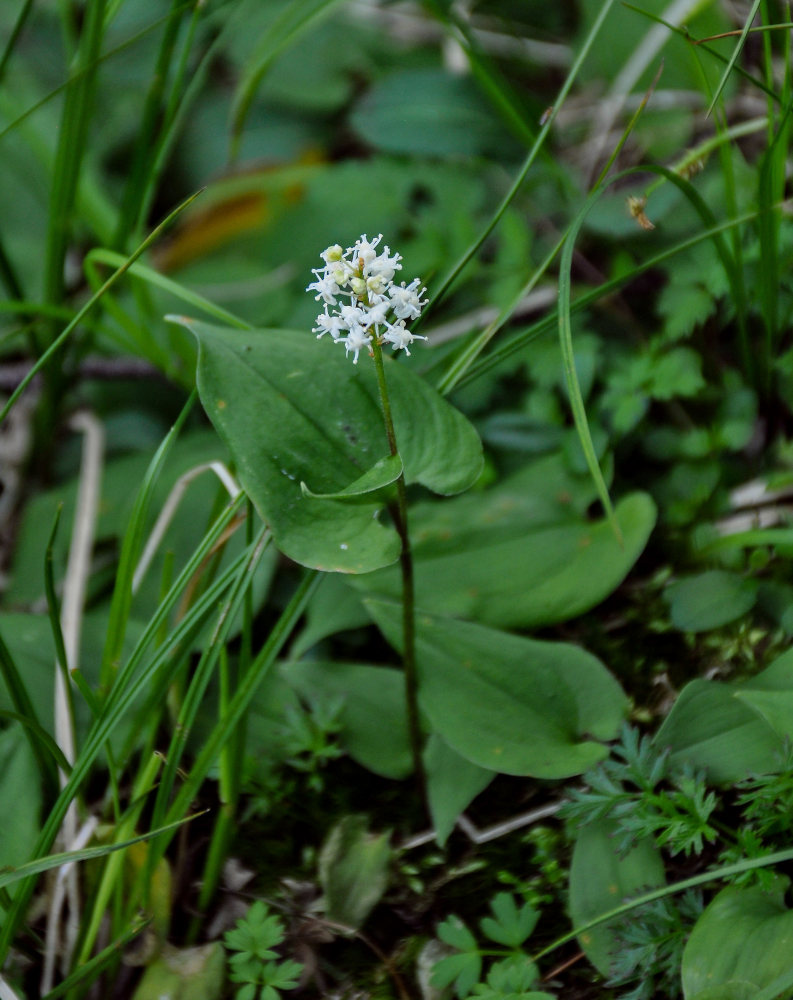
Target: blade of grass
x=492, y=82
x=72, y=143
x=9, y=875
x=734, y=57
x=458, y=267
x=92, y=969
x=25, y=711
x=54, y=613
x=607, y=110
x=101, y=256
x=141, y=167
x=294, y=18
x=124, y=692
x=570, y=375
x=701, y=43
x=520, y=339
x=131, y=546
x=112, y=870
x=16, y=31
x=203, y=673
x=232, y=755
x=564, y=314
x=45, y=742
x=713, y=875
x=238, y=705
x=62, y=337
x=79, y=73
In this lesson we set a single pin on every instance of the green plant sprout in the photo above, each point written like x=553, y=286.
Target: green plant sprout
x=511, y=974
x=376, y=314
x=254, y=960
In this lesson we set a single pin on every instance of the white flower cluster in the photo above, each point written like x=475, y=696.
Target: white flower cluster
x=377, y=307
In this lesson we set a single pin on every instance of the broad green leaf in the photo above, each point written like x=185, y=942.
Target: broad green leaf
x=600, y=880
x=333, y=608
x=509, y=704
x=353, y=871
x=731, y=730
x=732, y=991
x=709, y=600
x=775, y=707
x=744, y=936
x=428, y=112
x=506, y=574
x=374, y=727
x=294, y=410
x=452, y=784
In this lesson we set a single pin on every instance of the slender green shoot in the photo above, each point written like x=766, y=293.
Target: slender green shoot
x=508, y=198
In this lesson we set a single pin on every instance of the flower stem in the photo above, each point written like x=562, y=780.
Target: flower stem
x=399, y=512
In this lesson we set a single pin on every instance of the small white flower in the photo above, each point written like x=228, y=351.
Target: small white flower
x=333, y=253
x=329, y=324
x=400, y=337
x=357, y=340
x=406, y=300
x=363, y=250
x=377, y=313
x=372, y=307
x=384, y=266
x=352, y=316
x=326, y=288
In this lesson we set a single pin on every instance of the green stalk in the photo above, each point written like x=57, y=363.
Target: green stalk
x=113, y=868
x=399, y=512
x=455, y=271
x=72, y=143
x=140, y=171
x=16, y=31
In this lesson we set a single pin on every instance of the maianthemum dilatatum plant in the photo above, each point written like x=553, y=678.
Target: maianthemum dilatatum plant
x=376, y=314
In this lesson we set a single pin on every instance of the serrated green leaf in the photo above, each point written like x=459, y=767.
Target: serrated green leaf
x=464, y=970
x=512, y=925
x=454, y=932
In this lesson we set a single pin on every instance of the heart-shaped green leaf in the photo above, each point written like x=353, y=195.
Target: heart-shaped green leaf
x=509, y=704
x=452, y=784
x=374, y=727
x=601, y=879
x=731, y=730
x=507, y=573
x=382, y=474
x=744, y=936
x=293, y=410
x=708, y=600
